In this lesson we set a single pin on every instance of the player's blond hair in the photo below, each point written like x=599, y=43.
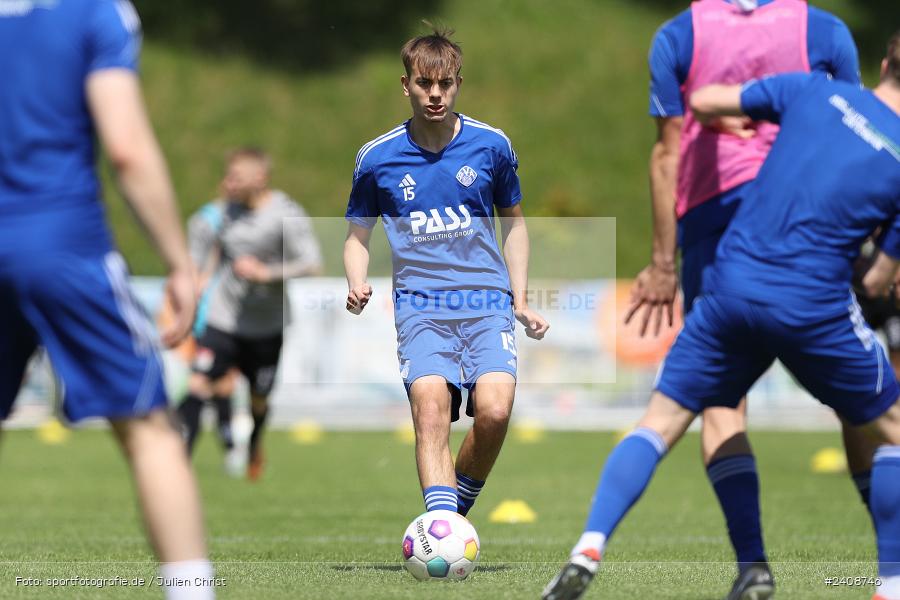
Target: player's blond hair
x=893, y=58
x=434, y=54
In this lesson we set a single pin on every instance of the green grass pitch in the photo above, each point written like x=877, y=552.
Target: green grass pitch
x=326, y=521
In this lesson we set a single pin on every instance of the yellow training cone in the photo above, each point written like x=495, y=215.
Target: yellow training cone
x=513, y=511
x=53, y=432
x=405, y=434
x=622, y=433
x=529, y=431
x=828, y=460
x=307, y=432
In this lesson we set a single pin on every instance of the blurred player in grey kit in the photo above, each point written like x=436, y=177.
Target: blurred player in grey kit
x=260, y=238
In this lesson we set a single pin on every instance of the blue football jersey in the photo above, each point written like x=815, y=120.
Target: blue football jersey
x=831, y=178
x=47, y=151
x=438, y=214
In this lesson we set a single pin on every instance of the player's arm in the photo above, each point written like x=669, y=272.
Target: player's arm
x=713, y=101
x=356, y=267
x=362, y=209
x=516, y=250
x=663, y=182
x=832, y=38
x=202, y=246
x=881, y=275
x=301, y=267
x=304, y=257
x=761, y=99
x=845, y=59
x=252, y=269
x=117, y=107
x=656, y=286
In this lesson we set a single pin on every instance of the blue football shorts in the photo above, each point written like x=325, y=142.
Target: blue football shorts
x=727, y=343
x=459, y=350
x=696, y=259
x=101, y=343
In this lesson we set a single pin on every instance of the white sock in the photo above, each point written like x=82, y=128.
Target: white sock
x=188, y=580
x=890, y=587
x=590, y=540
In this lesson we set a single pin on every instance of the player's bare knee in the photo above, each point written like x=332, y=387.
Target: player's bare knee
x=667, y=418
x=429, y=400
x=493, y=415
x=430, y=415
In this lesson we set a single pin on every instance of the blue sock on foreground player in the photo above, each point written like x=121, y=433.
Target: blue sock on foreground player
x=736, y=484
x=627, y=473
x=885, y=507
x=461, y=500
x=440, y=497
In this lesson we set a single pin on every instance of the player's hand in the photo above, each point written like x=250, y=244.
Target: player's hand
x=358, y=297
x=655, y=289
x=181, y=292
x=252, y=269
x=535, y=325
x=741, y=127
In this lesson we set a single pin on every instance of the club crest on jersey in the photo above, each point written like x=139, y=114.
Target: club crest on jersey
x=466, y=175
x=408, y=185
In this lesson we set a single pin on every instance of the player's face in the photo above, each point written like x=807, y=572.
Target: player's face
x=432, y=95
x=244, y=178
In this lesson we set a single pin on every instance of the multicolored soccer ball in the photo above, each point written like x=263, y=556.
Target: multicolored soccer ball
x=440, y=545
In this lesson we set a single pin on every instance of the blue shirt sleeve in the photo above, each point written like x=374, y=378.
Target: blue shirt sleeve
x=507, y=191
x=114, y=36
x=831, y=47
x=670, y=61
x=767, y=99
x=362, y=209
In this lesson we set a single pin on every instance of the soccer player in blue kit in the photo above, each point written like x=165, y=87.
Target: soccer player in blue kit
x=698, y=175
x=69, y=72
x=780, y=288
x=435, y=181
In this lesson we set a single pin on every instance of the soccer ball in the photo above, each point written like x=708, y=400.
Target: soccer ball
x=441, y=545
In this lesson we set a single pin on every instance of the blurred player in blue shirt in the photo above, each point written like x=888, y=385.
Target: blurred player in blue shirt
x=780, y=288
x=697, y=177
x=435, y=181
x=69, y=72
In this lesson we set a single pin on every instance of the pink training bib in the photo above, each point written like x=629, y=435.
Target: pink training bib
x=732, y=46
